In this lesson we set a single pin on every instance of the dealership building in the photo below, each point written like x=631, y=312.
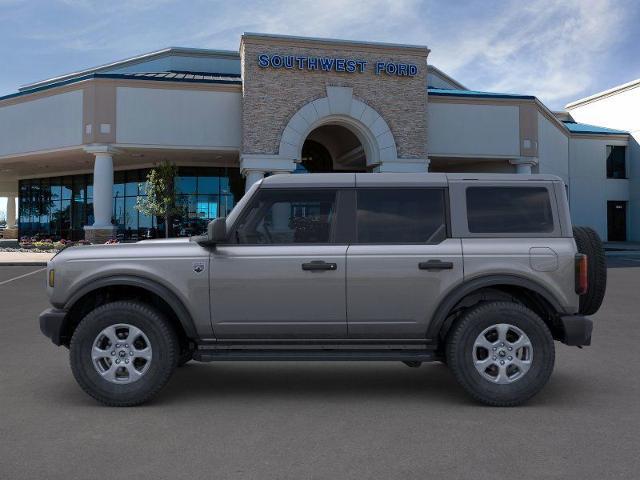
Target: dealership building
x=75, y=149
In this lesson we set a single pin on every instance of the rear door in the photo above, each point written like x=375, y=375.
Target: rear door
x=402, y=262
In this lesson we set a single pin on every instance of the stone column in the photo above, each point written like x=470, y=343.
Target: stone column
x=524, y=164
x=102, y=228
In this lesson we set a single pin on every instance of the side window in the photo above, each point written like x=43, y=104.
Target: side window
x=288, y=217
x=616, y=167
x=509, y=210
x=415, y=215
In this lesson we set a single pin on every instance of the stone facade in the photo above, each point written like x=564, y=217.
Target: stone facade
x=272, y=96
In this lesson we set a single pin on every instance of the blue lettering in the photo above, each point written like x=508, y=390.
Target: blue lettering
x=379, y=67
x=351, y=66
x=327, y=63
x=288, y=61
x=263, y=60
x=402, y=69
x=392, y=68
x=301, y=61
x=313, y=63
x=362, y=64
x=413, y=70
x=276, y=61
x=340, y=64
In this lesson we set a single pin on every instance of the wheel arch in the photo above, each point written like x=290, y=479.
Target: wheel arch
x=127, y=286
x=527, y=291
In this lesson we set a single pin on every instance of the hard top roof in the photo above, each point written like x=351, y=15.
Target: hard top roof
x=393, y=179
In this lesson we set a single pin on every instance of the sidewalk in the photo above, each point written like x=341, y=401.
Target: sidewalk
x=24, y=259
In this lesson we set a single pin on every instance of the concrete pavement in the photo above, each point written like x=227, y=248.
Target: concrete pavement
x=320, y=420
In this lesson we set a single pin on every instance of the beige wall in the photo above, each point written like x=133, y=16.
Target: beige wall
x=272, y=96
x=172, y=117
x=45, y=123
x=473, y=129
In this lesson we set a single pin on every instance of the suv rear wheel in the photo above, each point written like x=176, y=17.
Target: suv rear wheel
x=501, y=353
x=123, y=353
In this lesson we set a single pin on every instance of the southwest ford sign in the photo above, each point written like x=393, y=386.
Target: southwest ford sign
x=333, y=64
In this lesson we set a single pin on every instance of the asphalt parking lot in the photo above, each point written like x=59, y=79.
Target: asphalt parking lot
x=320, y=420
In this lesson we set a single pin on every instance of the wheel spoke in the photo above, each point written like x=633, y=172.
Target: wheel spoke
x=502, y=329
x=110, y=333
x=144, y=353
x=133, y=373
x=523, y=365
x=111, y=373
x=482, y=341
x=502, y=376
x=133, y=333
x=98, y=353
x=521, y=342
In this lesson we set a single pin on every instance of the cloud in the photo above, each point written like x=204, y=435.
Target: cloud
x=557, y=50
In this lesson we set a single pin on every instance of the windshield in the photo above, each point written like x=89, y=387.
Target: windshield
x=233, y=215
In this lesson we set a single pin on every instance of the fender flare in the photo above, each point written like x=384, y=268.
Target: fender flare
x=183, y=315
x=464, y=289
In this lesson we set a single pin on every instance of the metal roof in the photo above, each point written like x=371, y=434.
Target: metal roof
x=187, y=77
x=132, y=61
x=474, y=93
x=585, y=128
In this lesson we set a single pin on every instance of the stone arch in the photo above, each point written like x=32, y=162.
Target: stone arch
x=340, y=108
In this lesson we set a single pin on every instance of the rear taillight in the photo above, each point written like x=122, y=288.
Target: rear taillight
x=582, y=282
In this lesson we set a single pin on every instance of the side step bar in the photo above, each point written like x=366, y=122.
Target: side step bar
x=322, y=355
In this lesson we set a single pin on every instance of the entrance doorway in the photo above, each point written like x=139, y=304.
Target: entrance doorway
x=617, y=221
x=332, y=148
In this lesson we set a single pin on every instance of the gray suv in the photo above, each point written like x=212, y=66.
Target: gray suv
x=481, y=272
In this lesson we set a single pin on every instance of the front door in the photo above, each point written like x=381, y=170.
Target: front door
x=283, y=273
x=617, y=221
x=401, y=264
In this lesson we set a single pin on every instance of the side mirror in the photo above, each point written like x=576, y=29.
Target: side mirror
x=217, y=230
x=216, y=233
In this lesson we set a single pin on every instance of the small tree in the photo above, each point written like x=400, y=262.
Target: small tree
x=160, y=200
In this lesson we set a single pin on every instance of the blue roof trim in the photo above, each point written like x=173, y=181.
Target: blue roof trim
x=225, y=80
x=444, y=92
x=585, y=128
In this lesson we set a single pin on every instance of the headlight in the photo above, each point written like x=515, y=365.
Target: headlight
x=52, y=277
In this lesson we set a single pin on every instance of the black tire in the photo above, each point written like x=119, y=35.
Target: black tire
x=164, y=344
x=460, y=349
x=185, y=357
x=589, y=243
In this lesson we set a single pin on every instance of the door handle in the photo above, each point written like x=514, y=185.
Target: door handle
x=435, y=265
x=318, y=265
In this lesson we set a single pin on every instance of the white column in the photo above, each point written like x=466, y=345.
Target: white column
x=524, y=164
x=251, y=177
x=103, y=190
x=11, y=211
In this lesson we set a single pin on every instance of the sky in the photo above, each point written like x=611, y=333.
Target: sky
x=557, y=50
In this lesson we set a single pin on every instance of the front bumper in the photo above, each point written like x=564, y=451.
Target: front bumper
x=576, y=330
x=52, y=323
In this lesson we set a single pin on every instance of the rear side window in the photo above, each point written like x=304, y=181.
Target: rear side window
x=509, y=210
x=387, y=215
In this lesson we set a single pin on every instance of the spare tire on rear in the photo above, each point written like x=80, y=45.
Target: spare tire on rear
x=589, y=243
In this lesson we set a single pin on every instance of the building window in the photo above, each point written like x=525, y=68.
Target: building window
x=616, y=161
x=59, y=207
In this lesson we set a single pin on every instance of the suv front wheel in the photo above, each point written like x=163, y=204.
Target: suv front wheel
x=123, y=353
x=502, y=353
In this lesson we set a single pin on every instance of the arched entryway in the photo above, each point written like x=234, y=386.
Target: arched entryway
x=332, y=148
x=337, y=133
